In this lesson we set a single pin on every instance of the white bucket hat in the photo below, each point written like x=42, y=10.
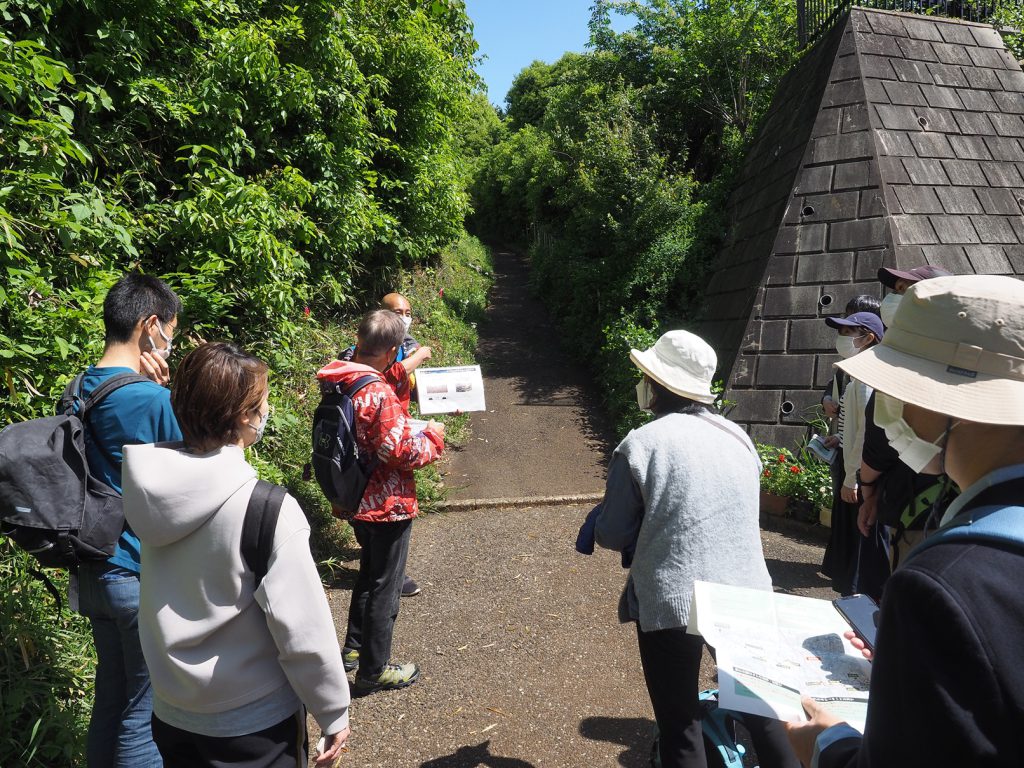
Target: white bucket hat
x=955, y=346
x=682, y=362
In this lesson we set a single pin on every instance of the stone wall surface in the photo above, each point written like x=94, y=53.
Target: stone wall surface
x=896, y=141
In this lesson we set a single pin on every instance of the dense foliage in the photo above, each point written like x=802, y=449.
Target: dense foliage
x=615, y=166
x=281, y=165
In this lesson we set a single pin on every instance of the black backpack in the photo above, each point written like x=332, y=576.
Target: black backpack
x=340, y=471
x=51, y=506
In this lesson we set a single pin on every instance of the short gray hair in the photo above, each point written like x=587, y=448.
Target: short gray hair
x=379, y=331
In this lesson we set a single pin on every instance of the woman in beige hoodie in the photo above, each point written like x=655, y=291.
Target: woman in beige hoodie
x=233, y=665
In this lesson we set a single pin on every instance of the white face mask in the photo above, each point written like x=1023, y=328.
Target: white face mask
x=166, y=351
x=922, y=456
x=847, y=346
x=888, y=308
x=407, y=322
x=644, y=394
x=261, y=428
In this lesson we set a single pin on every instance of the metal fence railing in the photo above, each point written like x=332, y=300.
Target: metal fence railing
x=815, y=17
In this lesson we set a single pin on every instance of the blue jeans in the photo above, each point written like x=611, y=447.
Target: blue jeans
x=120, y=735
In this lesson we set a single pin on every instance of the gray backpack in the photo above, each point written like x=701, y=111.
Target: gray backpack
x=51, y=506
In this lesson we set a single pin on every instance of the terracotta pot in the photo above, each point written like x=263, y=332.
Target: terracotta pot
x=774, y=504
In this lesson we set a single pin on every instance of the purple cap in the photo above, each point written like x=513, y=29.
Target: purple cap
x=888, y=276
x=869, y=321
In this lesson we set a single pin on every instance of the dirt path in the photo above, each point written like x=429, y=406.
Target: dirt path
x=541, y=434
x=523, y=662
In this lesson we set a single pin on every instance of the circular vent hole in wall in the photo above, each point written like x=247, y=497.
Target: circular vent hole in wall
x=923, y=121
x=825, y=300
x=808, y=210
x=787, y=407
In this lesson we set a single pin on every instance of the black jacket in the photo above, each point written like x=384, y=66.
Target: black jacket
x=947, y=681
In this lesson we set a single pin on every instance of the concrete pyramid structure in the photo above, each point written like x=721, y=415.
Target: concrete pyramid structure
x=897, y=140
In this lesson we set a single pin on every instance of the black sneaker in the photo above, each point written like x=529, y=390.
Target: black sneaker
x=349, y=659
x=410, y=588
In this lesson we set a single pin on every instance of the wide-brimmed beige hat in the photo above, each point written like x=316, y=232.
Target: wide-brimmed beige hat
x=682, y=362
x=955, y=346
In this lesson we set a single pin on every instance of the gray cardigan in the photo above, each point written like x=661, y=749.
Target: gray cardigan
x=687, y=492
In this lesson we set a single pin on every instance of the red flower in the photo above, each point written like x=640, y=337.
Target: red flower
x=305, y=311
x=441, y=293
x=782, y=457
x=795, y=470
x=767, y=473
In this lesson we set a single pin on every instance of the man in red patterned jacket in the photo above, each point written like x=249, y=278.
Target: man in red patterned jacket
x=384, y=520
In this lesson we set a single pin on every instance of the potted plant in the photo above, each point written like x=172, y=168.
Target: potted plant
x=779, y=479
x=813, y=491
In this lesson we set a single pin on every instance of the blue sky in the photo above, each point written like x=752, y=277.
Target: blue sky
x=513, y=33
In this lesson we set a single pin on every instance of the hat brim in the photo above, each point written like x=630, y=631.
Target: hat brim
x=684, y=386
x=888, y=276
x=932, y=385
x=841, y=322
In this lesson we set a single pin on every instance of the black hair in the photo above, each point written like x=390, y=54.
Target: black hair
x=667, y=401
x=133, y=298
x=864, y=303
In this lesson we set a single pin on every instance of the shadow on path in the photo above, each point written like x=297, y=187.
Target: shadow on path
x=634, y=733
x=471, y=757
x=543, y=432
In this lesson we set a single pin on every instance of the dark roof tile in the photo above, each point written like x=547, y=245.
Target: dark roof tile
x=1011, y=80
x=877, y=66
x=871, y=204
x=892, y=171
x=951, y=54
x=824, y=268
x=813, y=180
x=989, y=260
x=880, y=45
x=928, y=144
x=974, y=123
x=1001, y=175
x=1011, y=102
x=897, y=118
x=918, y=199
x=906, y=93
x=1007, y=125
x=919, y=29
x=895, y=143
x=949, y=257
x=919, y=72
x=937, y=119
x=1004, y=148
x=986, y=57
x=914, y=230
x=800, y=239
x=994, y=229
x=868, y=264
x=1017, y=222
x=857, y=174
x=886, y=24
x=842, y=93
x=860, y=233
x=954, y=229
x=855, y=118
x=958, y=200
x=831, y=207
x=947, y=74
x=850, y=146
x=956, y=33
x=984, y=79
x=917, y=50
x=827, y=123
x=941, y=97
x=1001, y=201
x=874, y=92
x=964, y=173
x=978, y=101
x=1009, y=60
x=1015, y=253
x=925, y=171
x=987, y=37
x=970, y=147
x=845, y=68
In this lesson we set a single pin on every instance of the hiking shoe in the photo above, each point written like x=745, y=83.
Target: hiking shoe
x=393, y=677
x=349, y=659
x=410, y=588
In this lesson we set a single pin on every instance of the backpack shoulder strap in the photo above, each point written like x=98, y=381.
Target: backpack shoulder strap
x=107, y=387
x=259, y=527
x=72, y=393
x=728, y=430
x=361, y=382
x=995, y=515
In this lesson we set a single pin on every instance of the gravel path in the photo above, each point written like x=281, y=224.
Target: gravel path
x=523, y=662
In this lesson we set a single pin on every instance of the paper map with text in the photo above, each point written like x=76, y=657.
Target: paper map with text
x=447, y=390
x=772, y=648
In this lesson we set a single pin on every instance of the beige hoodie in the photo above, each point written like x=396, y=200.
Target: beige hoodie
x=211, y=642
